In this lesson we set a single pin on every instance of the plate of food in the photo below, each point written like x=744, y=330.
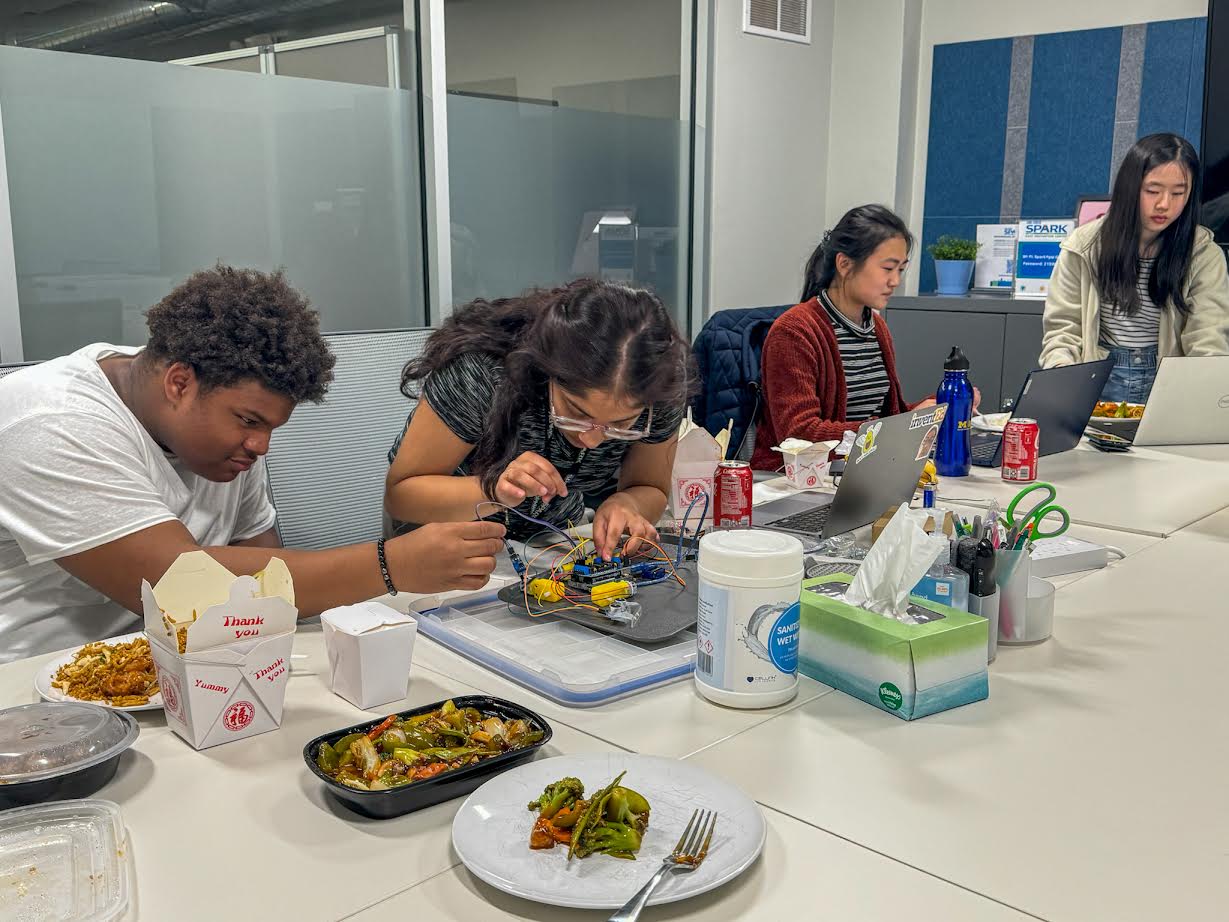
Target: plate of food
x=117, y=673
x=991, y=422
x=588, y=831
x=1109, y=409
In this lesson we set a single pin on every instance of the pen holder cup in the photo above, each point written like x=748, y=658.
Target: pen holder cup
x=1026, y=603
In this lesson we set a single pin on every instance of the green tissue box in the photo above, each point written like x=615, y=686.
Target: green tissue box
x=909, y=670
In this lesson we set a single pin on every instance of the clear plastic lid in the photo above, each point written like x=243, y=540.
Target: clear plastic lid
x=53, y=738
x=65, y=861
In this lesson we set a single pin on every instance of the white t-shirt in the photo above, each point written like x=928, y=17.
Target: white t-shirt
x=77, y=470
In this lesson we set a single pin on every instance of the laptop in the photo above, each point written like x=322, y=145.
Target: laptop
x=1189, y=403
x=882, y=471
x=1060, y=399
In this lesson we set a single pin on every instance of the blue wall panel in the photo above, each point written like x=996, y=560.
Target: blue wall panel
x=1072, y=102
x=1165, y=94
x=1070, y=119
x=968, y=130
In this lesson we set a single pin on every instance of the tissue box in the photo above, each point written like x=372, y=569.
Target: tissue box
x=909, y=670
x=370, y=647
x=230, y=680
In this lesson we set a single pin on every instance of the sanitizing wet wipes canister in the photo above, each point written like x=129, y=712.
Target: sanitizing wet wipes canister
x=747, y=621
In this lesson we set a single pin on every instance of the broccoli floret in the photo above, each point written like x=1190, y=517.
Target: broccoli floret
x=563, y=793
x=616, y=839
x=629, y=808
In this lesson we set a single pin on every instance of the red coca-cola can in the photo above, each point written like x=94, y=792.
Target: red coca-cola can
x=732, y=495
x=1021, y=449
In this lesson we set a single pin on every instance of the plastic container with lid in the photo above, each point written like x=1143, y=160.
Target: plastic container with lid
x=65, y=861
x=747, y=619
x=58, y=749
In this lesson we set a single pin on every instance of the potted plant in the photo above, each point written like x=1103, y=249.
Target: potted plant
x=954, y=257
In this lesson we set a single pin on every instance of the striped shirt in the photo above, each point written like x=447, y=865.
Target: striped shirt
x=462, y=394
x=866, y=377
x=1141, y=330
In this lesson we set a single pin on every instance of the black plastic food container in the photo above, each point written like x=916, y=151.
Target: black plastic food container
x=56, y=750
x=447, y=785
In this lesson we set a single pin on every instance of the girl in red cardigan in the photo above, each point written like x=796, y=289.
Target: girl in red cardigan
x=828, y=363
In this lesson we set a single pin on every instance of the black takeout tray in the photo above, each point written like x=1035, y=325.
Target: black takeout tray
x=445, y=786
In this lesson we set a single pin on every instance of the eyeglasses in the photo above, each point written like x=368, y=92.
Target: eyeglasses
x=567, y=424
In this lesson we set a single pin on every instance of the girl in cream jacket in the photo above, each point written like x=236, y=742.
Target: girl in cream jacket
x=1144, y=282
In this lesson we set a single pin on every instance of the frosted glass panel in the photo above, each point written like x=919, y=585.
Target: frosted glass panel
x=125, y=176
x=544, y=193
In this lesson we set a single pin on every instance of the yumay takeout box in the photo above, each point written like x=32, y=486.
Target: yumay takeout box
x=230, y=680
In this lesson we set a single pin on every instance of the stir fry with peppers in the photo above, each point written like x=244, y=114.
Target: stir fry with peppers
x=613, y=821
x=402, y=750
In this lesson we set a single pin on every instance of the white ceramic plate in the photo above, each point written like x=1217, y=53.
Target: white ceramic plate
x=491, y=832
x=42, y=680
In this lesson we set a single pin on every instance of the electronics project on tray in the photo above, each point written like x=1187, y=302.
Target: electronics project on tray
x=578, y=578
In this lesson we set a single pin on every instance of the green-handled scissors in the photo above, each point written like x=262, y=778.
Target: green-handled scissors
x=1018, y=523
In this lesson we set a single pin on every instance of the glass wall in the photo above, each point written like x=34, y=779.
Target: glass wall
x=125, y=176
x=567, y=155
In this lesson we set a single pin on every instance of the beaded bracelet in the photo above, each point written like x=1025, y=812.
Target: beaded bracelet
x=388, y=580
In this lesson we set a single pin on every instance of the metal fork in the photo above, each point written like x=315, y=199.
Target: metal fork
x=687, y=855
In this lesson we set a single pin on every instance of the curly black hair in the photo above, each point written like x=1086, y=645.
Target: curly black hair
x=232, y=325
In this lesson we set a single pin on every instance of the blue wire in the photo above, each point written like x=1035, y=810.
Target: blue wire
x=528, y=518
x=678, y=559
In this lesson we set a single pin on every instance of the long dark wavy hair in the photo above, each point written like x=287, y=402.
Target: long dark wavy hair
x=586, y=335
x=1116, y=264
x=857, y=235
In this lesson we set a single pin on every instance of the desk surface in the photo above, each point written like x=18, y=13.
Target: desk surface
x=1147, y=491
x=1090, y=785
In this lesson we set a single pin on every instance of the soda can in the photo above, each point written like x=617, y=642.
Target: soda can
x=1021, y=449
x=732, y=495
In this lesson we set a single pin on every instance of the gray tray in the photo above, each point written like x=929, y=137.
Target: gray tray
x=667, y=609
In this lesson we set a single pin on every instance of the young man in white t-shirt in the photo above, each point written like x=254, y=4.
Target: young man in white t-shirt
x=115, y=460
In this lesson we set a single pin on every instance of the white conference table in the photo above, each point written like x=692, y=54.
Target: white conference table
x=1146, y=491
x=1091, y=783
x=245, y=831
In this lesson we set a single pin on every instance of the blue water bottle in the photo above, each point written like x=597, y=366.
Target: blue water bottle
x=953, y=455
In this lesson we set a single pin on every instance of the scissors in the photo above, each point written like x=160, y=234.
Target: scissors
x=1031, y=521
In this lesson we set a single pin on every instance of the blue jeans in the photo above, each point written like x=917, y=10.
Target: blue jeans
x=1132, y=375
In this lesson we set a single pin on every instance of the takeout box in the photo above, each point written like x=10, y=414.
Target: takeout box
x=806, y=463
x=370, y=647
x=695, y=467
x=230, y=680
x=909, y=670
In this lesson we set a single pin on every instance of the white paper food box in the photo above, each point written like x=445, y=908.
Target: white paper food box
x=230, y=682
x=695, y=467
x=806, y=468
x=370, y=647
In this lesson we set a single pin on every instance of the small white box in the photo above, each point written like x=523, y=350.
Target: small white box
x=230, y=681
x=806, y=463
x=370, y=648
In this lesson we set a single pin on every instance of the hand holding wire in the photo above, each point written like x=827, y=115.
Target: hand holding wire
x=529, y=475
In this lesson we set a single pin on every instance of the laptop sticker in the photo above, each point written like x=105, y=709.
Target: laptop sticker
x=931, y=418
x=928, y=443
x=867, y=442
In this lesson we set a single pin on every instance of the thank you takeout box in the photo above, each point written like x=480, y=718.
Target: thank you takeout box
x=229, y=681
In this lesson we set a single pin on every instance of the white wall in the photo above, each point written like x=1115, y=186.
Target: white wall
x=768, y=148
x=947, y=21
x=868, y=38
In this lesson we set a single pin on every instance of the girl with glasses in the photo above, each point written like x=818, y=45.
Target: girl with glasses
x=547, y=403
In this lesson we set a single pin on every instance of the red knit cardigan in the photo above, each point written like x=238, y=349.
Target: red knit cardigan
x=804, y=382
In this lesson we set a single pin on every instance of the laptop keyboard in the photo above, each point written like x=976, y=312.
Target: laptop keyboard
x=985, y=450
x=810, y=522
